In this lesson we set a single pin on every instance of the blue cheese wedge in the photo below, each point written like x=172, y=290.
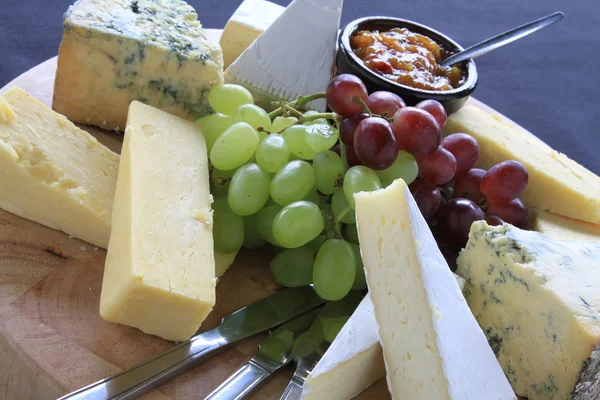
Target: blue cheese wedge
x=538, y=301
x=293, y=57
x=432, y=345
x=116, y=51
x=250, y=19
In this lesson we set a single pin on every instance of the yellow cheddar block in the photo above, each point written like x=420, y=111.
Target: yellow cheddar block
x=52, y=172
x=563, y=228
x=160, y=269
x=556, y=183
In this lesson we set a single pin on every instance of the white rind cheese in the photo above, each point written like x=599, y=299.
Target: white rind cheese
x=250, y=19
x=160, y=269
x=294, y=56
x=432, y=345
x=538, y=301
x=52, y=172
x=354, y=360
x=117, y=51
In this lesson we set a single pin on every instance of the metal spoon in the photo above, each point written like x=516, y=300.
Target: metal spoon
x=500, y=40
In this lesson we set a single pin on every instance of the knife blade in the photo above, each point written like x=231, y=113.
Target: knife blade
x=305, y=365
x=274, y=352
x=248, y=321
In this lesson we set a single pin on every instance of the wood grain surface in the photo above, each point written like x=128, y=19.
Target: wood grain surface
x=52, y=339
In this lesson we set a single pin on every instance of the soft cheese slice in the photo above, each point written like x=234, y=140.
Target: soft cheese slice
x=432, y=345
x=556, y=183
x=354, y=360
x=160, y=269
x=538, y=301
x=116, y=51
x=250, y=19
x=52, y=172
x=564, y=228
x=294, y=56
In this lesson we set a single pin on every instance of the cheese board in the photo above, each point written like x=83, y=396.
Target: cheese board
x=54, y=340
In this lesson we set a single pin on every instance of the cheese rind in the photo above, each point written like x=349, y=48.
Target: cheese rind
x=538, y=301
x=431, y=342
x=250, y=19
x=575, y=191
x=52, y=172
x=564, y=228
x=160, y=270
x=117, y=51
x=286, y=61
x=354, y=360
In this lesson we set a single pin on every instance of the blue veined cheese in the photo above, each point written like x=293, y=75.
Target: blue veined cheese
x=538, y=301
x=117, y=51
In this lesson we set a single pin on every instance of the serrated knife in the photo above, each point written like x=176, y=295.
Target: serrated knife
x=248, y=321
x=274, y=352
x=305, y=365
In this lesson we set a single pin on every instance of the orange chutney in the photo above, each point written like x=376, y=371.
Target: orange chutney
x=407, y=58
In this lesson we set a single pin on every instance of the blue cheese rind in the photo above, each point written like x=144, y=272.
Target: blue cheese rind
x=117, y=51
x=538, y=301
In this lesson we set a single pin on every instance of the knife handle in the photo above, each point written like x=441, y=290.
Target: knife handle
x=245, y=379
x=150, y=374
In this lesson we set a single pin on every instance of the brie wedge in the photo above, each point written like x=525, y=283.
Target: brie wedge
x=293, y=57
x=432, y=345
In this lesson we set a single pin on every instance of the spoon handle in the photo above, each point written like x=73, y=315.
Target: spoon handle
x=502, y=39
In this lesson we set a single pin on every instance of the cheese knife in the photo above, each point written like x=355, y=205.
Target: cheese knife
x=305, y=365
x=274, y=352
x=248, y=321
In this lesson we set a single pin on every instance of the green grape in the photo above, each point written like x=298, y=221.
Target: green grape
x=297, y=224
x=359, y=179
x=252, y=237
x=253, y=115
x=234, y=147
x=310, y=340
x=296, y=138
x=335, y=314
x=321, y=137
x=334, y=269
x=310, y=112
x=339, y=204
x=334, y=327
x=280, y=123
x=221, y=179
x=293, y=182
x=272, y=153
x=226, y=98
x=329, y=171
x=315, y=244
x=265, y=222
x=314, y=197
x=350, y=233
x=404, y=167
x=249, y=190
x=360, y=280
x=213, y=126
x=293, y=267
x=217, y=191
x=315, y=121
x=228, y=227
x=328, y=217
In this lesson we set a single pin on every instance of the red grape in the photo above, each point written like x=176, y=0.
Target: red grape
x=427, y=197
x=514, y=212
x=504, y=181
x=374, y=143
x=436, y=109
x=464, y=148
x=467, y=185
x=337, y=149
x=348, y=127
x=416, y=131
x=385, y=103
x=438, y=167
x=342, y=94
x=493, y=220
x=455, y=218
x=351, y=157
x=450, y=253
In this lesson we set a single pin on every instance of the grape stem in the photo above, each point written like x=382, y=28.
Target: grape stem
x=366, y=107
x=337, y=224
x=302, y=100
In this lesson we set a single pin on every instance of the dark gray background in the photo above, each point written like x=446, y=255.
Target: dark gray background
x=548, y=82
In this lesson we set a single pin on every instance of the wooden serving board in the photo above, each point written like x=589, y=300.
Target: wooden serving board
x=52, y=339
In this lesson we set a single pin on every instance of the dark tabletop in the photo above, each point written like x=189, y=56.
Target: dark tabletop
x=547, y=82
